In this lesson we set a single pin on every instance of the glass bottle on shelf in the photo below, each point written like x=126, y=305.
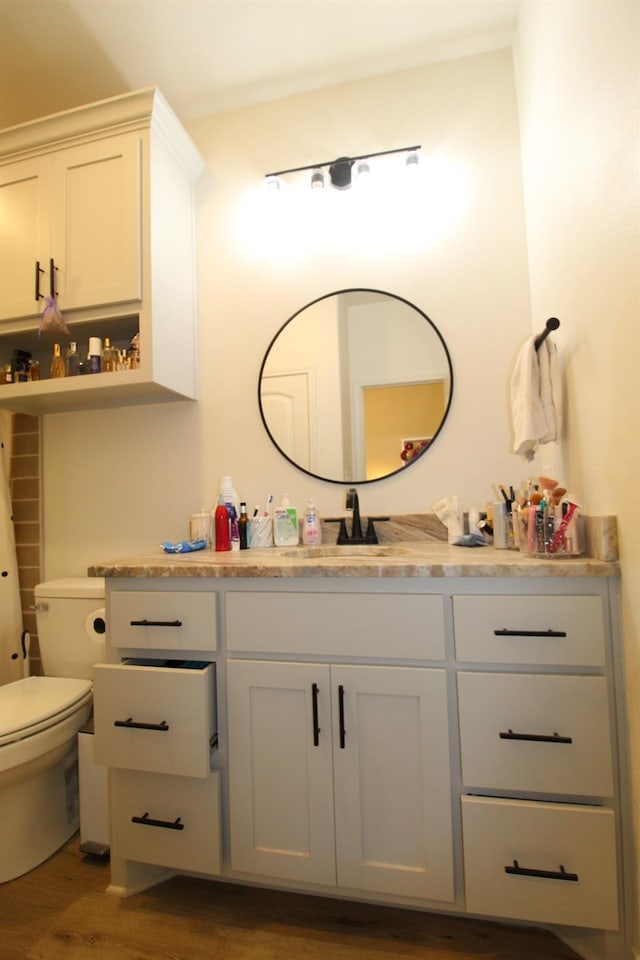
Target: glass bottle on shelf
x=57, y=363
x=34, y=370
x=109, y=357
x=72, y=360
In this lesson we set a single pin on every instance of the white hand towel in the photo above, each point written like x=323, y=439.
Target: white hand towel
x=536, y=397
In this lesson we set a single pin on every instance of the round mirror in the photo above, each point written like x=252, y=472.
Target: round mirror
x=355, y=386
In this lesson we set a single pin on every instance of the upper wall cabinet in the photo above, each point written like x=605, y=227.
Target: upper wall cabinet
x=96, y=206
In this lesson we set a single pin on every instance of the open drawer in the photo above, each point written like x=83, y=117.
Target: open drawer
x=155, y=715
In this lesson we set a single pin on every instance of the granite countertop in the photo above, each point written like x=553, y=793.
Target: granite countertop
x=412, y=545
x=410, y=559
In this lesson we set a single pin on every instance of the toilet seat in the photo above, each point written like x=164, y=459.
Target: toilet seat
x=36, y=703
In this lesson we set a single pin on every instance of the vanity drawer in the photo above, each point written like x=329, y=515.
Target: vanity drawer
x=505, y=718
x=171, y=620
x=402, y=626
x=155, y=718
x=180, y=817
x=541, y=629
x=575, y=845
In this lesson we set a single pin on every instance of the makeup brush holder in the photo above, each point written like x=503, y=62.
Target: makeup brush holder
x=548, y=532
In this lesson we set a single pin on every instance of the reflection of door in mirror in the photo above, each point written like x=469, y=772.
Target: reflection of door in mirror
x=388, y=410
x=343, y=343
x=285, y=401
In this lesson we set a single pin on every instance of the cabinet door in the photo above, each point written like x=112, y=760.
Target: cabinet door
x=96, y=230
x=280, y=781
x=24, y=236
x=392, y=784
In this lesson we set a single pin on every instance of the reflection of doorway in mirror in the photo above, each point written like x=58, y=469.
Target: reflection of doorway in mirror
x=285, y=403
x=394, y=412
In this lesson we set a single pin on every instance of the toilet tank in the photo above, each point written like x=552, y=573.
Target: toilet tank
x=71, y=626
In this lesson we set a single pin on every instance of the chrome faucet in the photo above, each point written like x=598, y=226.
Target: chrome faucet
x=356, y=536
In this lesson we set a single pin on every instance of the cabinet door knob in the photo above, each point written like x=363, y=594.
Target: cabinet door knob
x=147, y=821
x=538, y=737
x=560, y=874
x=343, y=734
x=132, y=724
x=314, y=701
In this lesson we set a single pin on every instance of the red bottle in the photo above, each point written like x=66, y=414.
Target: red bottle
x=221, y=526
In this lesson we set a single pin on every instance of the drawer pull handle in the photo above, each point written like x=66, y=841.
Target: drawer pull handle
x=147, y=821
x=529, y=633
x=314, y=701
x=560, y=874
x=539, y=737
x=343, y=733
x=155, y=623
x=163, y=726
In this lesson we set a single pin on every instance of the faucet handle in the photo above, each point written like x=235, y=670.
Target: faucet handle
x=371, y=536
x=343, y=536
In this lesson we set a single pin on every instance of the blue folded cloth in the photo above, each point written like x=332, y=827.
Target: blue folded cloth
x=184, y=546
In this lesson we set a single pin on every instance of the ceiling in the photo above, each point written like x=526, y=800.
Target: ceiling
x=213, y=55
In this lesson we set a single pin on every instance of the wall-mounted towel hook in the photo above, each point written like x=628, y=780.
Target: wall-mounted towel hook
x=552, y=324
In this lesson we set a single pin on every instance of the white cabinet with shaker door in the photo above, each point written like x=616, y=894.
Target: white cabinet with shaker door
x=97, y=208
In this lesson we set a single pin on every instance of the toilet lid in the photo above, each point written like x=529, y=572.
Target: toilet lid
x=33, y=701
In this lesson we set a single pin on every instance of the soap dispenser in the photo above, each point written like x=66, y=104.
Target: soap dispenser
x=311, y=529
x=285, y=524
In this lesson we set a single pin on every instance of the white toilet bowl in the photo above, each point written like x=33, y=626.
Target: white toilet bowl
x=39, y=721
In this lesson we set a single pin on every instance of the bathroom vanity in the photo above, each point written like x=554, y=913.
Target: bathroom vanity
x=424, y=726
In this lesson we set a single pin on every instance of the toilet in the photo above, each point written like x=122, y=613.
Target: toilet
x=39, y=721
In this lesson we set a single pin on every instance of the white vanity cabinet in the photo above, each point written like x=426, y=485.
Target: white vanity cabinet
x=97, y=205
x=438, y=742
x=74, y=218
x=155, y=722
x=369, y=739
x=537, y=759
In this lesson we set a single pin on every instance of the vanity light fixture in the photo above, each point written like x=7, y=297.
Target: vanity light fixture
x=340, y=170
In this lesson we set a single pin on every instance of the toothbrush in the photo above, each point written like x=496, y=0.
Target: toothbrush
x=268, y=504
x=557, y=539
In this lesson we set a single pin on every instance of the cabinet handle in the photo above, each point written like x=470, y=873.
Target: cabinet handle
x=314, y=701
x=52, y=279
x=539, y=737
x=147, y=821
x=341, y=715
x=137, y=725
x=155, y=623
x=39, y=270
x=560, y=874
x=529, y=633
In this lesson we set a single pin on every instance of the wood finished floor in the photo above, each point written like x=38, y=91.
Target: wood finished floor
x=60, y=912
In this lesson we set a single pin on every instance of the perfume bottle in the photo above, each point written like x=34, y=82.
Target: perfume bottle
x=109, y=357
x=72, y=359
x=57, y=363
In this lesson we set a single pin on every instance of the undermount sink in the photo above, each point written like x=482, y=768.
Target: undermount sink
x=345, y=551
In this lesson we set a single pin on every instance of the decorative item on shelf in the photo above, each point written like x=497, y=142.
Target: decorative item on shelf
x=340, y=170
x=109, y=357
x=72, y=359
x=56, y=368
x=34, y=370
x=133, y=353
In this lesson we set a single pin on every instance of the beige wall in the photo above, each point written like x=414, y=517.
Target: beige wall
x=125, y=480
x=578, y=69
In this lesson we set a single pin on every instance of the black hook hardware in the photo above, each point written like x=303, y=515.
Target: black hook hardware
x=552, y=324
